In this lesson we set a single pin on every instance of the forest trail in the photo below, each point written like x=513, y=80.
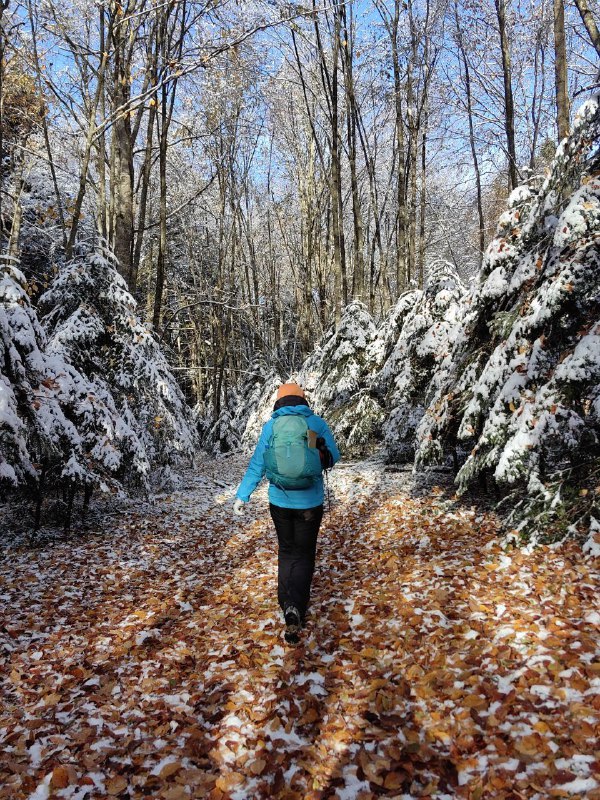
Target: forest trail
x=148, y=657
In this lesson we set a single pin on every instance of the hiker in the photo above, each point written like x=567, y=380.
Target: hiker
x=294, y=447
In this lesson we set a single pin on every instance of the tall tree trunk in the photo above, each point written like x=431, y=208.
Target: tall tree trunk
x=422, y=205
x=162, y=131
x=402, y=210
x=87, y=151
x=273, y=271
x=145, y=185
x=469, y=97
x=306, y=183
x=560, y=71
x=376, y=243
x=413, y=146
x=329, y=79
x=15, y=227
x=358, y=277
x=101, y=204
x=40, y=89
x=509, y=110
x=589, y=22
x=412, y=173
x=3, y=7
x=123, y=165
x=537, y=99
x=171, y=32
x=329, y=74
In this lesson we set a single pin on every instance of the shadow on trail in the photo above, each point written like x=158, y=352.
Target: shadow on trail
x=405, y=662
x=360, y=726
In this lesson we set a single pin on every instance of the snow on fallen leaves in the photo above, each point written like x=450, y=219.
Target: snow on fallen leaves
x=147, y=661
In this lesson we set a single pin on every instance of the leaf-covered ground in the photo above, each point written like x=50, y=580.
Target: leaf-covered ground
x=146, y=658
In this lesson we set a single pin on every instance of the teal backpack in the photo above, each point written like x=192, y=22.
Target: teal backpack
x=290, y=463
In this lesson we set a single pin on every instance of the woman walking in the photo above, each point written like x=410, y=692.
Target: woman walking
x=294, y=447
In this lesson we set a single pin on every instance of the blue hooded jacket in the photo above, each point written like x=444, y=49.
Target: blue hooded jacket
x=287, y=498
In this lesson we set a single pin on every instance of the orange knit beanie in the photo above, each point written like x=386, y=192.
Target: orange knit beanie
x=287, y=389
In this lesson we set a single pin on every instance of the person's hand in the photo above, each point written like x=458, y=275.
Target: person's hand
x=238, y=507
x=324, y=453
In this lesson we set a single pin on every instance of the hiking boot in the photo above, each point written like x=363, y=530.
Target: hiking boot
x=292, y=616
x=293, y=624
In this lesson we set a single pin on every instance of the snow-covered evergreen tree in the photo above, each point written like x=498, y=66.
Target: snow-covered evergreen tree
x=240, y=420
x=40, y=396
x=338, y=375
x=522, y=384
x=429, y=321
x=387, y=336
x=256, y=403
x=91, y=321
x=219, y=435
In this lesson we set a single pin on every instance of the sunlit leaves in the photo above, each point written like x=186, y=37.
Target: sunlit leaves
x=148, y=661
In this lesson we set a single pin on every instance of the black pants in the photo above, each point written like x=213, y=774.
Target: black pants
x=297, y=530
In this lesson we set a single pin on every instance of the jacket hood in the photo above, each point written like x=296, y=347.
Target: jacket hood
x=303, y=411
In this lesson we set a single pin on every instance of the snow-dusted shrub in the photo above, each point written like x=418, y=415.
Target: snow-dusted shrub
x=338, y=365
x=218, y=435
x=41, y=397
x=356, y=425
x=338, y=376
x=240, y=420
x=40, y=235
x=522, y=383
x=91, y=322
x=429, y=322
x=256, y=404
x=384, y=344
